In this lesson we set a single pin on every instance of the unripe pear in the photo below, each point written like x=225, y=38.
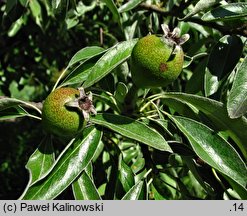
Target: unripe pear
x=157, y=61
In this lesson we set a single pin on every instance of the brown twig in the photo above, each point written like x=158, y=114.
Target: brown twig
x=155, y=8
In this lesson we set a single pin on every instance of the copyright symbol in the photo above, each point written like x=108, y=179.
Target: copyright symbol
x=8, y=207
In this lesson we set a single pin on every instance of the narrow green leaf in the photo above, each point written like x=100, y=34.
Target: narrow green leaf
x=226, y=12
x=6, y=102
x=133, y=129
x=213, y=149
x=79, y=74
x=16, y=26
x=201, y=6
x=71, y=162
x=110, y=60
x=12, y=113
x=217, y=113
x=86, y=53
x=129, y=31
x=126, y=176
x=222, y=60
x=135, y=192
x=121, y=92
x=36, y=11
x=211, y=83
x=237, y=100
x=129, y=5
x=41, y=161
x=111, y=5
x=84, y=188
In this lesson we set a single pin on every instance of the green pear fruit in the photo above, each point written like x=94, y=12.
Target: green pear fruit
x=59, y=119
x=157, y=61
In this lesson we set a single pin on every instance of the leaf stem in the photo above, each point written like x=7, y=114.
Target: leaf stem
x=154, y=97
x=31, y=104
x=59, y=78
x=147, y=173
x=35, y=117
